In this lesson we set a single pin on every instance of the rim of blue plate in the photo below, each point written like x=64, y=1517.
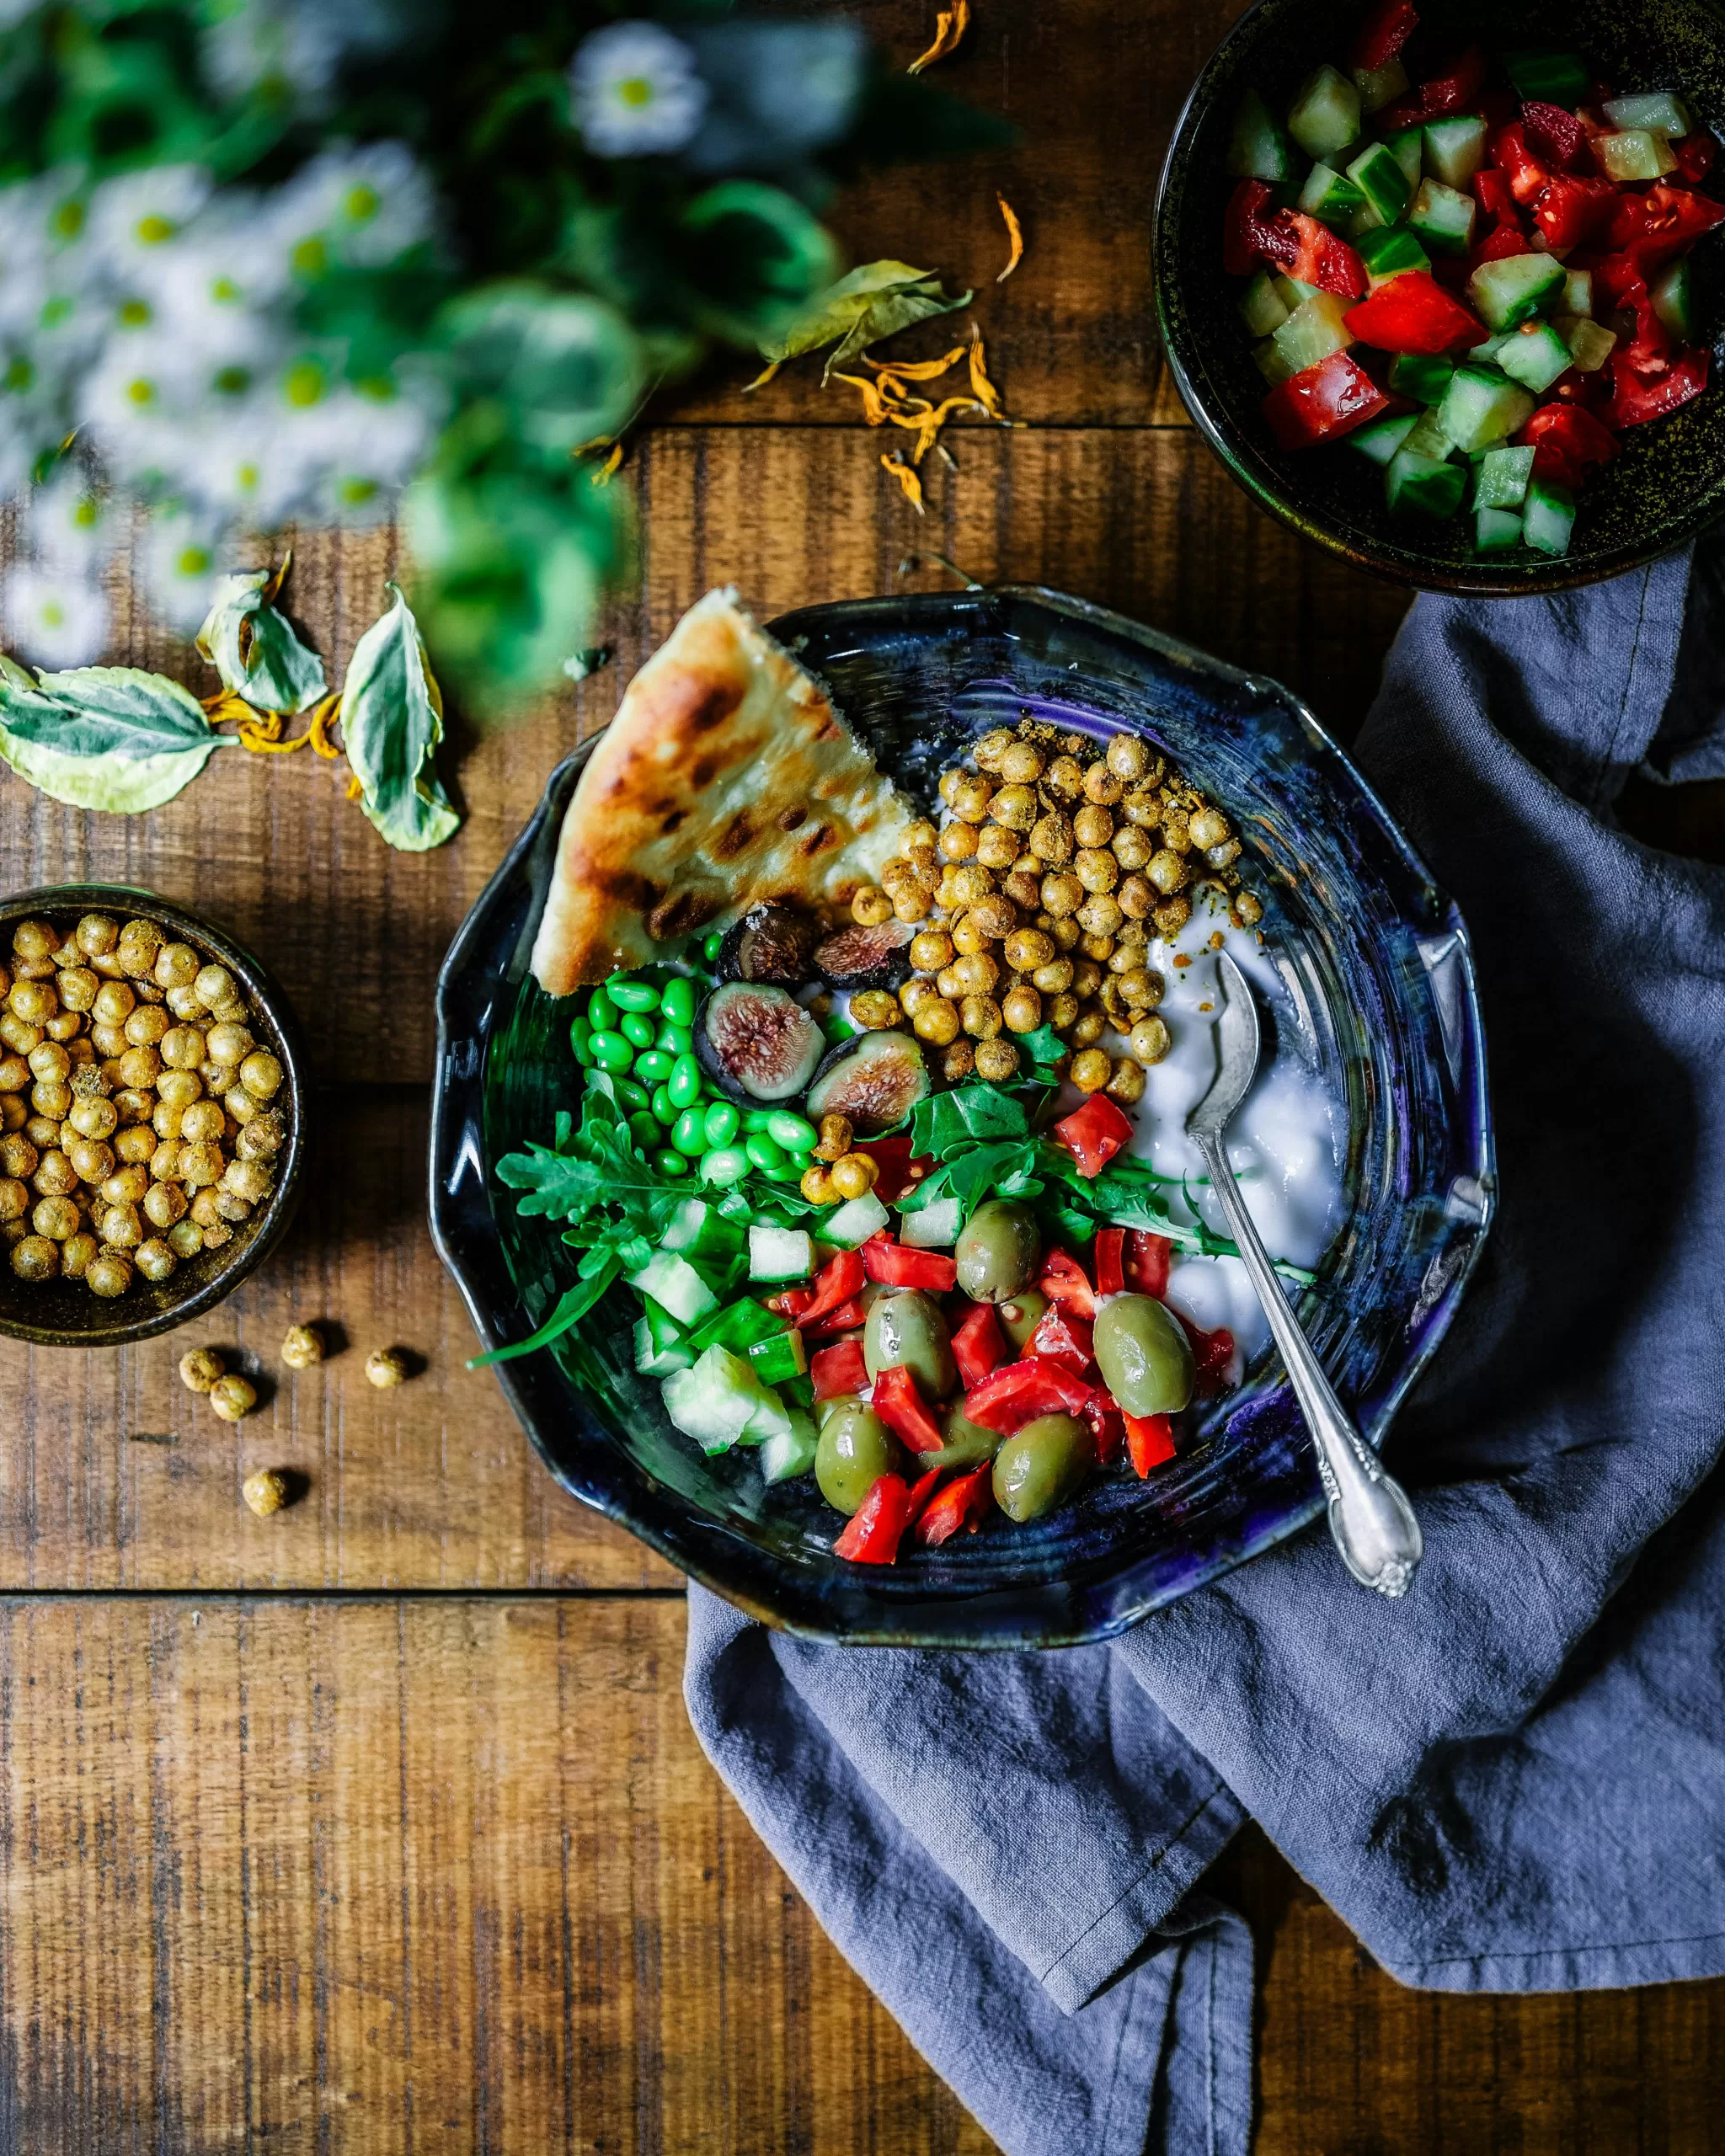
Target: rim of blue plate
x=483, y=980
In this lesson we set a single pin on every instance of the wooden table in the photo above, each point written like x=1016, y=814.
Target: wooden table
x=378, y=1826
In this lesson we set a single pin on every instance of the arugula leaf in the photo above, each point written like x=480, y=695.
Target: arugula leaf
x=253, y=648
x=392, y=721
x=104, y=737
x=573, y=1305
x=875, y=301
x=1044, y=1047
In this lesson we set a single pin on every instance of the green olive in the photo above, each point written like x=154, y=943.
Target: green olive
x=1039, y=1466
x=997, y=1251
x=967, y=1444
x=907, y=1327
x=1144, y=1355
x=854, y=1449
x=1020, y=1316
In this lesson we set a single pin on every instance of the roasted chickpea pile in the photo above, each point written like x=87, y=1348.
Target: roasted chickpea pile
x=139, y=1123
x=1035, y=901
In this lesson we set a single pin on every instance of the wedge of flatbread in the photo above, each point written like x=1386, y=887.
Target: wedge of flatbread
x=726, y=778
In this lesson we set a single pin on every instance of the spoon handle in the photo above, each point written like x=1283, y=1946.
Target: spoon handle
x=1373, y=1522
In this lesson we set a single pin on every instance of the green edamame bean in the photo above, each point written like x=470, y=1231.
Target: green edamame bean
x=645, y=1132
x=1144, y=1355
x=671, y=1164
x=601, y=1012
x=712, y=946
x=675, y=1040
x=997, y=1250
x=967, y=1444
x=795, y=1133
x=786, y=1171
x=654, y=1067
x=632, y=995
x=721, y=1122
x=678, y=1001
x=631, y=1096
x=635, y=1029
x=1039, y=1466
x=907, y=1327
x=854, y=1449
x=758, y=1119
x=684, y=1083
x=611, y=1051
x=581, y=1040
x=689, y=1133
x=664, y=1109
x=1021, y=1315
x=765, y=1156
x=724, y=1165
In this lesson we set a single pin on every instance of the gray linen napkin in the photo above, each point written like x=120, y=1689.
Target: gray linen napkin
x=1514, y=1780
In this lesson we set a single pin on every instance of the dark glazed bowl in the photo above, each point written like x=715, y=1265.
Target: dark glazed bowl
x=64, y=1313
x=1379, y=994
x=1667, y=482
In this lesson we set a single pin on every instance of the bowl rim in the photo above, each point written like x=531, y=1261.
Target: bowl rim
x=265, y=991
x=606, y=1477
x=1250, y=467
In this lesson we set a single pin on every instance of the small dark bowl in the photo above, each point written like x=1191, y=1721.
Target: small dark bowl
x=1380, y=995
x=64, y=1313
x=1667, y=482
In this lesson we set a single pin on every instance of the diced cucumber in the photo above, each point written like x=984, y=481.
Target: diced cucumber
x=1422, y=485
x=1380, y=86
x=1549, y=518
x=1261, y=308
x=739, y=1325
x=1426, y=437
x=1259, y=148
x=1387, y=253
x=1421, y=375
x=1328, y=197
x=661, y=1345
x=1316, y=328
x=1656, y=111
x=1378, y=175
x=1500, y=480
x=699, y=1230
x=1633, y=154
x=1408, y=150
x=1491, y=348
x=783, y=1356
x=1496, y=530
x=1591, y=344
x=717, y=1402
x=1271, y=365
x=1513, y=289
x=670, y=1280
x=780, y=1253
x=1455, y=148
x=771, y=1418
x=1379, y=439
x=1365, y=219
x=1482, y=408
x=1578, y=292
x=790, y=1452
x=1553, y=78
x=1326, y=115
x=1291, y=292
x=1534, y=356
x=937, y=1227
x=859, y=1218
x=1443, y=218
x=1673, y=301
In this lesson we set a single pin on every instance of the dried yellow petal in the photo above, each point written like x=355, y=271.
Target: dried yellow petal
x=607, y=470
x=950, y=25
x=874, y=408
x=761, y=379
x=910, y=484
x=1015, y=236
x=986, y=394
x=918, y=369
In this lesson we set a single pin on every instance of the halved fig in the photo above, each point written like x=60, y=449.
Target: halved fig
x=855, y=957
x=756, y=1043
x=875, y=1079
x=769, y=943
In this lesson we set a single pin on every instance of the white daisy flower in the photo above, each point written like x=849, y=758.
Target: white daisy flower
x=272, y=44
x=135, y=218
x=635, y=91
x=54, y=618
x=369, y=447
x=362, y=206
x=180, y=552
x=67, y=521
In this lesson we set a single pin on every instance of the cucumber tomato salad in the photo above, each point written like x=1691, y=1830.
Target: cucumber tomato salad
x=1480, y=282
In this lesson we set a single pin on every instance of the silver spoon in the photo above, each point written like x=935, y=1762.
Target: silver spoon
x=1370, y=1517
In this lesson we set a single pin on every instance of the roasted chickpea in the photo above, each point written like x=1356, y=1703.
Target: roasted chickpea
x=201, y=1165
x=164, y=1161
x=185, y=1239
x=1135, y=896
x=96, y=934
x=14, y=1113
x=1088, y=1026
x=1016, y=806
x=120, y=1226
x=1026, y=948
x=1024, y=889
x=869, y=908
x=44, y=1131
x=1051, y=838
x=230, y=1043
x=925, y=864
x=816, y=1186
x=919, y=832
x=179, y=1089
x=1143, y=811
x=949, y=781
x=204, y=1210
x=216, y=1237
x=113, y=1004
x=989, y=750
x=980, y=1016
x=972, y=796
x=968, y=885
x=1090, y=1071
x=996, y=847
x=265, y=1492
x=947, y=984
x=1208, y=827
x=65, y=1027
x=1172, y=915
x=854, y=1175
x=109, y=1044
x=912, y=903
x=18, y=1155
x=51, y=1098
x=15, y=1073
x=49, y=1062
x=33, y=939
x=957, y=1061
x=155, y=1259
x=1021, y=764
x=251, y=1181
x=930, y=950
x=958, y=840
x=233, y=1398
x=1129, y=758
x=1127, y=1083
x=936, y=1022
x=139, y=1069
x=135, y=1142
x=1062, y=1010
x=81, y=1053
x=33, y=1003
x=1021, y=1008
x=240, y=1104
x=1098, y=949
x=164, y=1203
x=36, y=1258
x=108, y=1275
x=1166, y=871
x=975, y=973
x=1248, y=911
x=1100, y=915
x=386, y=1367
x=1093, y=827
x=260, y=1140
x=871, y=1008
x=996, y=917
x=1102, y=786
x=202, y=1121
x=835, y=1135
x=75, y=1253
x=1130, y=848
x=1052, y=977
x=56, y=1173
x=57, y=1218
x=126, y=1186
x=1095, y=869
x=1150, y=1040
x=967, y=936
x=165, y=1119
x=213, y=986
x=77, y=988
x=911, y=998
x=14, y=1200
x=996, y=1060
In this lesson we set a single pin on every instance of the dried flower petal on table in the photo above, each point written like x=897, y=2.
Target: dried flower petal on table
x=910, y=484
x=1015, y=237
x=950, y=25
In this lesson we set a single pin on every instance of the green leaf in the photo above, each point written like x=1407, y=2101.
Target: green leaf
x=1044, y=1046
x=104, y=737
x=573, y=1305
x=756, y=260
x=988, y=1113
x=392, y=721
x=872, y=303
x=253, y=648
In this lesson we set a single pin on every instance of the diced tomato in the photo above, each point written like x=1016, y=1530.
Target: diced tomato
x=1566, y=444
x=838, y=1370
x=1457, y=87
x=1007, y=1399
x=1110, y=1260
x=1507, y=239
x=892, y=1156
x=1618, y=282
x=1250, y=235
x=1150, y=1441
x=1107, y=1426
x=1321, y=403
x=966, y=1502
x=876, y=1528
x=839, y=1279
x=1569, y=211
x=1695, y=155
x=1641, y=392
x=1382, y=35
x=901, y=1407
x=1525, y=173
x=896, y=1265
x=1062, y=1336
x=792, y=1304
x=1662, y=223
x=1553, y=135
x=979, y=1346
x=921, y=1490
x=1320, y=258
x=1064, y=1281
x=1413, y=313
x=1213, y=1353
x=1491, y=191
x=1094, y=1133
x=1147, y=1260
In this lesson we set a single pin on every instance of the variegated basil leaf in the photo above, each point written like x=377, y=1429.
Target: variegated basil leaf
x=104, y=737
x=392, y=721
x=253, y=648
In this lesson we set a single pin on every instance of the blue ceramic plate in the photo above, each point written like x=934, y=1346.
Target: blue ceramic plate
x=1380, y=988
